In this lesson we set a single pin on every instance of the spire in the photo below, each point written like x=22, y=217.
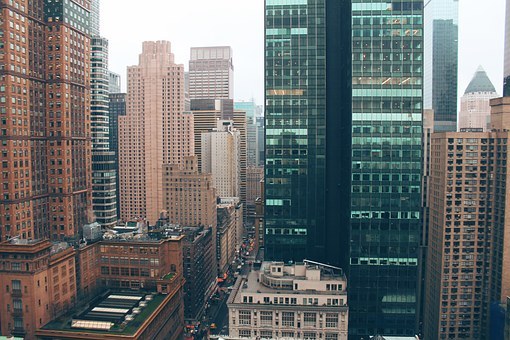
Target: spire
x=480, y=82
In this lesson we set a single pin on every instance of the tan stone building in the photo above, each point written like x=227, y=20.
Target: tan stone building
x=299, y=301
x=221, y=158
x=155, y=130
x=468, y=259
x=189, y=197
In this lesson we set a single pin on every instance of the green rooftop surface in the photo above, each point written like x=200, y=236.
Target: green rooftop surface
x=64, y=322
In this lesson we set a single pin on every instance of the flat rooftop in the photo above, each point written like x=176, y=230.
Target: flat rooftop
x=117, y=313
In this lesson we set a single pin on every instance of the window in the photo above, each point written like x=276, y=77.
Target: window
x=288, y=319
x=310, y=319
x=287, y=334
x=331, y=320
x=309, y=335
x=266, y=334
x=331, y=336
x=266, y=318
x=245, y=333
x=245, y=317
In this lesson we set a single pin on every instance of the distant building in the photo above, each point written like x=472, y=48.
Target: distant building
x=155, y=130
x=189, y=197
x=206, y=113
x=441, y=56
x=299, y=301
x=251, y=130
x=259, y=219
x=254, y=174
x=114, y=82
x=211, y=73
x=199, y=259
x=221, y=150
x=475, y=110
x=228, y=233
x=38, y=283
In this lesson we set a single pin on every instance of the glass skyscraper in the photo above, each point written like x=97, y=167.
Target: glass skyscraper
x=441, y=51
x=308, y=130
x=387, y=42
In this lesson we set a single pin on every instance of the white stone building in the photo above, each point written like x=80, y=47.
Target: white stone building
x=300, y=301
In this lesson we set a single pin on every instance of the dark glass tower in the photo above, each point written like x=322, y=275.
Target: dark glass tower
x=386, y=166
x=308, y=130
x=441, y=62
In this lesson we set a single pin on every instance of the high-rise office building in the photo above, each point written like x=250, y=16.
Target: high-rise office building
x=441, y=53
x=45, y=117
x=114, y=82
x=155, y=130
x=386, y=166
x=308, y=130
x=251, y=130
x=475, y=110
x=211, y=73
x=116, y=108
x=104, y=170
x=221, y=150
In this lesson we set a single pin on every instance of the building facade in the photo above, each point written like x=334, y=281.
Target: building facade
x=254, y=177
x=104, y=170
x=221, y=150
x=467, y=264
x=211, y=73
x=308, y=130
x=228, y=233
x=189, y=197
x=117, y=108
x=441, y=55
x=300, y=301
x=475, y=110
x=155, y=130
x=386, y=167
x=199, y=260
x=39, y=284
x=251, y=130
x=45, y=105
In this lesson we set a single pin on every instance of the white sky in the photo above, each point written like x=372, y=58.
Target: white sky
x=240, y=24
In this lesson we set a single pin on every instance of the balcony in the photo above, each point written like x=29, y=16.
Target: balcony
x=16, y=293
x=17, y=312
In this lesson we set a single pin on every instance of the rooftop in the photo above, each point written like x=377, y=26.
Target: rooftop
x=116, y=314
x=480, y=82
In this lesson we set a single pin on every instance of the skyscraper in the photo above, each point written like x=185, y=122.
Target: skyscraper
x=155, y=130
x=104, y=170
x=475, y=110
x=386, y=166
x=116, y=108
x=221, y=151
x=251, y=130
x=211, y=73
x=308, y=130
x=441, y=53
x=44, y=118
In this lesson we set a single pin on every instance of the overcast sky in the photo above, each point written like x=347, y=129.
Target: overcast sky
x=240, y=24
